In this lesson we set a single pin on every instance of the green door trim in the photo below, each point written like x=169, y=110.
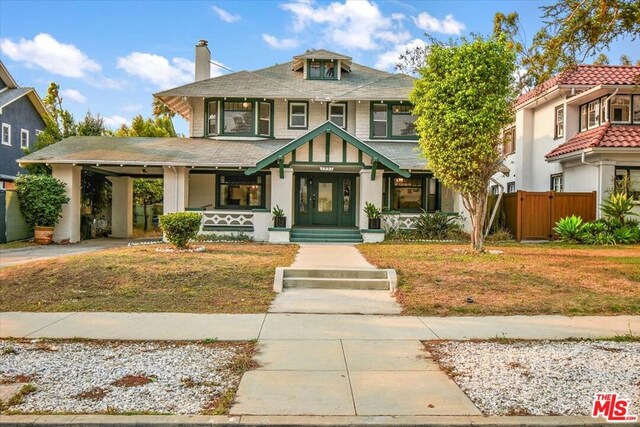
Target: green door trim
x=338, y=217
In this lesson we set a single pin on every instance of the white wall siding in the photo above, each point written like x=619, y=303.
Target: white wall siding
x=335, y=153
x=319, y=149
x=580, y=178
x=351, y=117
x=202, y=189
x=317, y=113
x=302, y=153
x=197, y=114
x=362, y=120
x=542, y=143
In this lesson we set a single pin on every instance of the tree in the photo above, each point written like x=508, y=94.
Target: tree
x=147, y=192
x=602, y=59
x=91, y=125
x=95, y=187
x=463, y=100
x=158, y=127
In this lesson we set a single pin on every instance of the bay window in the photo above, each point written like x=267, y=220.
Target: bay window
x=636, y=108
x=559, y=125
x=239, y=117
x=212, y=118
x=264, y=119
x=415, y=194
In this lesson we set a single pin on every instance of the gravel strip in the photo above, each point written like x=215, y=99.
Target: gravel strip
x=542, y=378
x=116, y=377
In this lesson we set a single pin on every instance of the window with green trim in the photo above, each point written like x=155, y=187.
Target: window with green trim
x=240, y=191
x=238, y=117
x=393, y=120
x=298, y=112
x=321, y=70
x=212, y=118
x=264, y=119
x=338, y=114
x=415, y=194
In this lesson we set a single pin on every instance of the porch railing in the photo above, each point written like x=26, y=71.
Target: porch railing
x=227, y=220
x=399, y=221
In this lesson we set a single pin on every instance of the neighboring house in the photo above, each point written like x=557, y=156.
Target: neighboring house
x=22, y=116
x=577, y=132
x=317, y=136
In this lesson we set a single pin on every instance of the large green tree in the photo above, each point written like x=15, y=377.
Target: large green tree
x=463, y=100
x=161, y=126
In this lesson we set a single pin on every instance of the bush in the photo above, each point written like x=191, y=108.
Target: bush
x=501, y=234
x=569, y=228
x=437, y=225
x=180, y=227
x=618, y=206
x=41, y=199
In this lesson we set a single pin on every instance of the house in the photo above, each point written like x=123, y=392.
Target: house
x=577, y=132
x=22, y=117
x=317, y=136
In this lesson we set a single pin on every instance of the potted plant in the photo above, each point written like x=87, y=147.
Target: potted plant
x=279, y=219
x=374, y=214
x=41, y=200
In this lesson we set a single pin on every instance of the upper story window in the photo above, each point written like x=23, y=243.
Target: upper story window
x=322, y=70
x=298, y=115
x=239, y=117
x=6, y=134
x=338, y=114
x=24, y=138
x=621, y=109
x=636, y=108
x=509, y=141
x=393, y=121
x=559, y=122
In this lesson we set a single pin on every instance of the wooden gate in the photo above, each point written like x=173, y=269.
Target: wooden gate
x=532, y=215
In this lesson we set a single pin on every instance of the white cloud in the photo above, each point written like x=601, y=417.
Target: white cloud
x=132, y=108
x=277, y=43
x=73, y=95
x=354, y=24
x=225, y=15
x=448, y=25
x=47, y=53
x=116, y=121
x=388, y=60
x=161, y=72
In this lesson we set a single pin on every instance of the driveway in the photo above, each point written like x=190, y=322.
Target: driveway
x=9, y=257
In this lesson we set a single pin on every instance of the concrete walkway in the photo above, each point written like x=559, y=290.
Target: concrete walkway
x=238, y=327
x=9, y=257
x=329, y=256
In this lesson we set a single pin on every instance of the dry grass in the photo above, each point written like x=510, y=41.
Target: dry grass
x=228, y=278
x=437, y=279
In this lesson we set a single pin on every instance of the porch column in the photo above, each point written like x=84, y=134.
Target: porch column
x=176, y=189
x=68, y=228
x=370, y=191
x=122, y=207
x=282, y=192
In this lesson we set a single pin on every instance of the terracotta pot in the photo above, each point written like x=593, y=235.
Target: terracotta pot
x=42, y=235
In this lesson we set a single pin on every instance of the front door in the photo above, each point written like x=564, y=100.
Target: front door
x=325, y=199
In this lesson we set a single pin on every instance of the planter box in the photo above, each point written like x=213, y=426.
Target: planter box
x=374, y=223
x=280, y=222
x=279, y=235
x=372, y=236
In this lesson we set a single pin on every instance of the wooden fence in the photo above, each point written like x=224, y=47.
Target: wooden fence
x=532, y=215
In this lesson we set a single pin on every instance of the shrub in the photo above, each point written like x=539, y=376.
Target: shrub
x=372, y=211
x=569, y=228
x=501, y=234
x=618, y=206
x=180, y=227
x=437, y=225
x=41, y=199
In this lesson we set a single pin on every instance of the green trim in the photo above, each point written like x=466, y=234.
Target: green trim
x=344, y=151
x=336, y=64
x=306, y=126
x=340, y=133
x=260, y=210
x=279, y=229
x=389, y=104
x=310, y=150
x=226, y=228
x=374, y=167
x=369, y=230
x=218, y=195
x=327, y=147
x=281, y=166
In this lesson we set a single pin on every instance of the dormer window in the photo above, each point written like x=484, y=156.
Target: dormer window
x=621, y=109
x=321, y=70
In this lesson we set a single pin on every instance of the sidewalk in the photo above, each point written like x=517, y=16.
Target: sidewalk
x=234, y=327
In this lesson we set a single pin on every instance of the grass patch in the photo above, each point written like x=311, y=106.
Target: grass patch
x=227, y=278
x=437, y=279
x=17, y=398
x=17, y=245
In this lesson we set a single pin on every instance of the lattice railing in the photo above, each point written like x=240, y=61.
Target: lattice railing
x=399, y=221
x=229, y=219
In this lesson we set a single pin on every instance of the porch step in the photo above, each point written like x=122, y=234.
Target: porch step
x=362, y=279
x=333, y=235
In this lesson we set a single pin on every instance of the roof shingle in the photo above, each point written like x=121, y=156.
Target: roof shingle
x=605, y=136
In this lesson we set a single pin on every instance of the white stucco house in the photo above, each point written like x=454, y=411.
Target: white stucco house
x=577, y=132
x=318, y=136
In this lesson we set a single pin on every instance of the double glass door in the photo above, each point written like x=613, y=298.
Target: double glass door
x=325, y=199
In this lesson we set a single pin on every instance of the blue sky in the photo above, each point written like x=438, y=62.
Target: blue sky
x=110, y=56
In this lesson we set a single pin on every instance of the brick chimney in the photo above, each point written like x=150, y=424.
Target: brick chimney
x=203, y=61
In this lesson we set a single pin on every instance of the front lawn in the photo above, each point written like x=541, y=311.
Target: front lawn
x=437, y=279
x=228, y=278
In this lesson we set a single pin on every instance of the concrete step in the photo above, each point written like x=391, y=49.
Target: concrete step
x=328, y=283
x=326, y=231
x=325, y=240
x=335, y=273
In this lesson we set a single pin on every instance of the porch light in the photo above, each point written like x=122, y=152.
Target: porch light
x=143, y=171
x=245, y=104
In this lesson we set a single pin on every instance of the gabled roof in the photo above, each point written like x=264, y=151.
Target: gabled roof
x=328, y=127
x=587, y=76
x=13, y=92
x=321, y=54
x=6, y=77
x=605, y=136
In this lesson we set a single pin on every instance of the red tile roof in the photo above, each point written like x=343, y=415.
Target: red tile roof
x=605, y=136
x=587, y=75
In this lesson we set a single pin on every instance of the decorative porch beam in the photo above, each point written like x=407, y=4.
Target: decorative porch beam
x=374, y=167
x=281, y=166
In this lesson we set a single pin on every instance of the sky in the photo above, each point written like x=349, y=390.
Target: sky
x=109, y=57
